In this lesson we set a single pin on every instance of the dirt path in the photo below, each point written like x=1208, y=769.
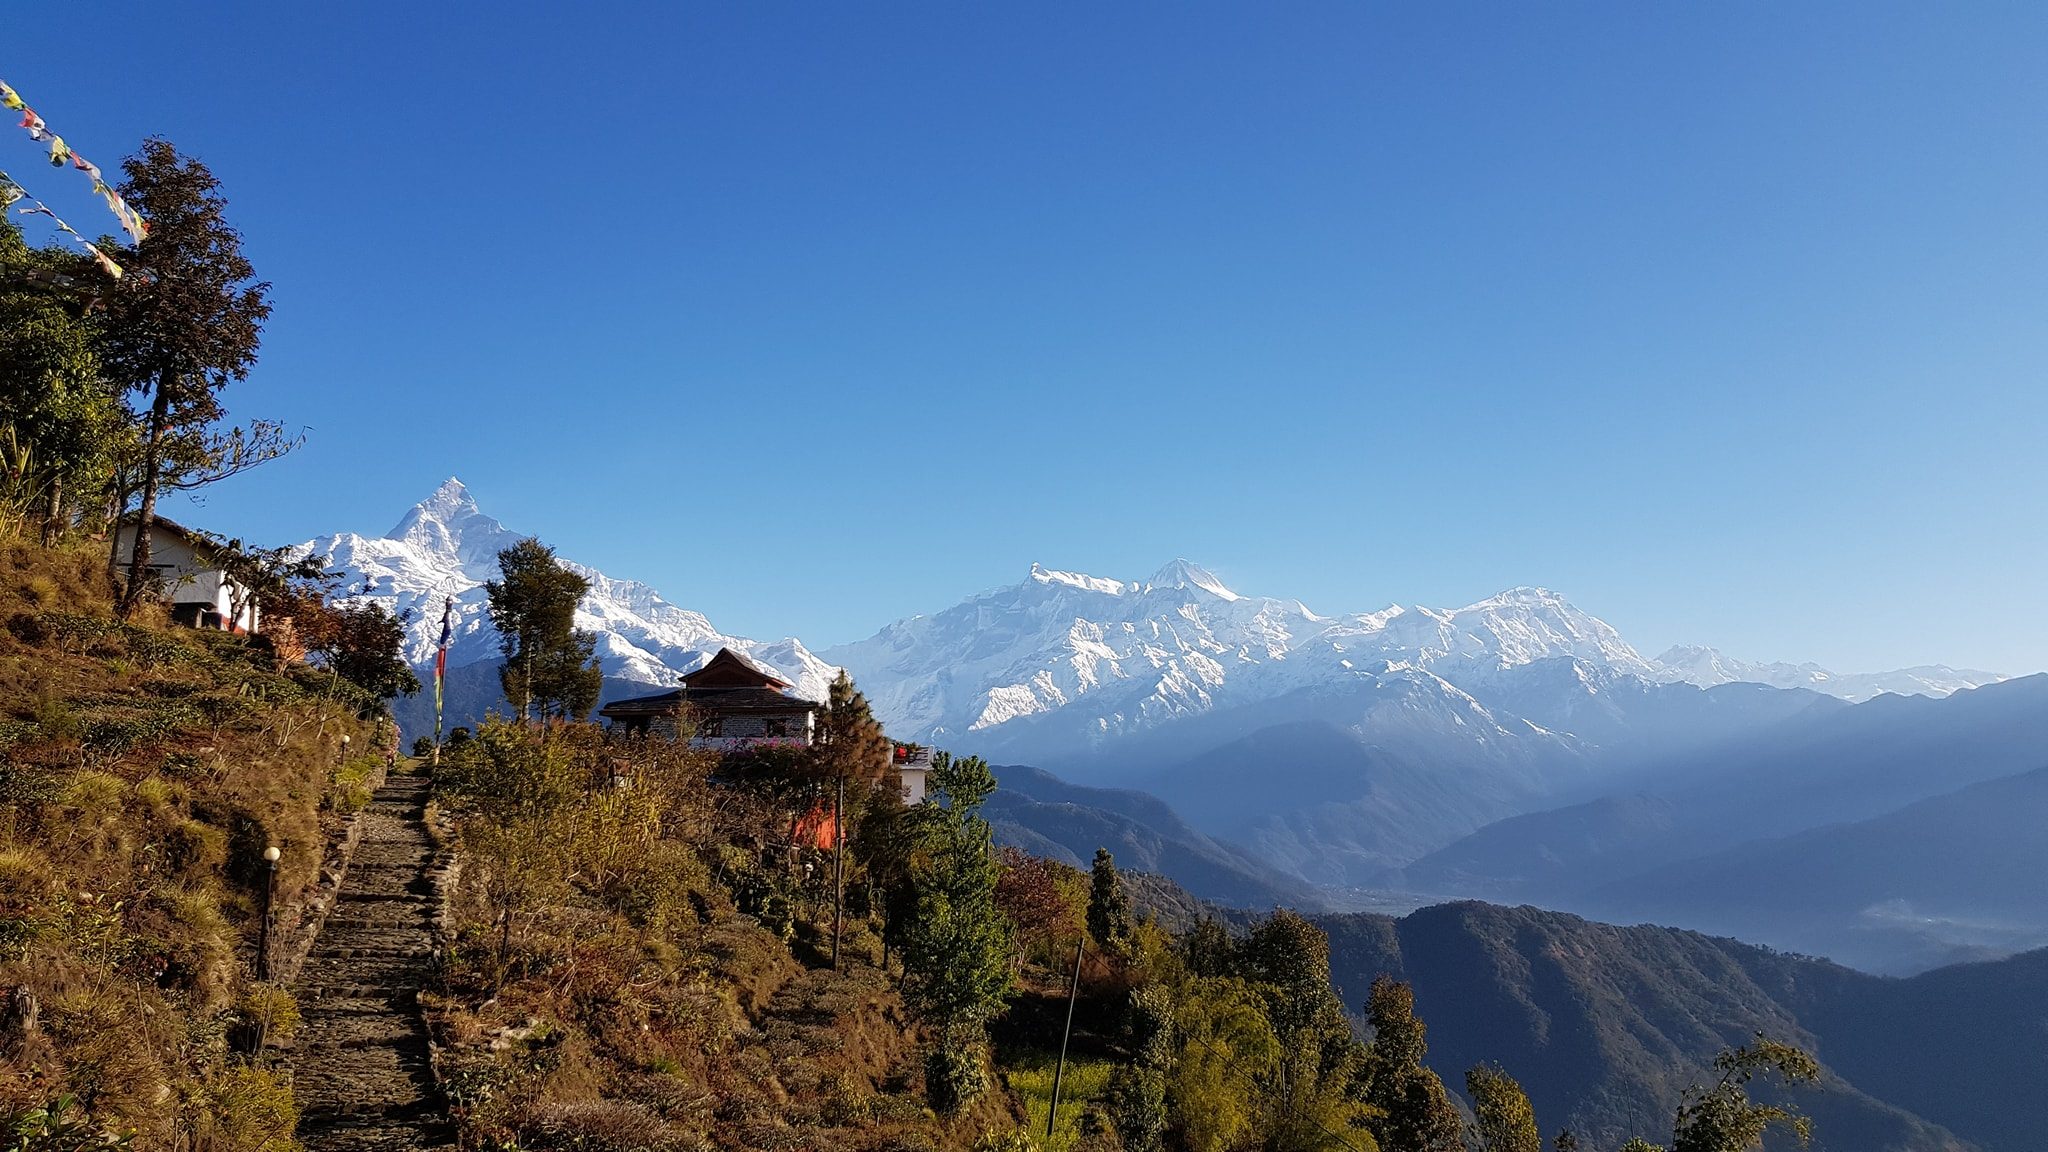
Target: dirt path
x=360, y=1068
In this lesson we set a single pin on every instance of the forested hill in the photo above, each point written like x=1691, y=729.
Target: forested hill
x=1606, y=1025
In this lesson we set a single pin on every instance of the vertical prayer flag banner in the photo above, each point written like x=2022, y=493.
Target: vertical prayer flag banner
x=11, y=191
x=441, y=662
x=61, y=153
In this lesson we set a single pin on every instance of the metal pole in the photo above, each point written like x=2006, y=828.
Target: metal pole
x=263, y=932
x=838, y=868
x=1060, y=1070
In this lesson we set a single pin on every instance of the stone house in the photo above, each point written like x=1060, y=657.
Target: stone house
x=735, y=702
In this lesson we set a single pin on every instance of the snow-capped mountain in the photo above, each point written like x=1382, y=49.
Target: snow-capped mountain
x=446, y=546
x=1120, y=657
x=1707, y=667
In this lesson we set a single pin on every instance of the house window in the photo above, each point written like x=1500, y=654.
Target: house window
x=710, y=726
x=775, y=726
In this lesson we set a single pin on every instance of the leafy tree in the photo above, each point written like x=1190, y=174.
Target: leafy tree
x=1135, y=1099
x=1228, y=1054
x=1290, y=958
x=1722, y=1118
x=1638, y=1144
x=1505, y=1121
x=180, y=334
x=1109, y=909
x=365, y=645
x=1564, y=1141
x=957, y=943
x=1415, y=1113
x=1316, y=1090
x=1044, y=899
x=548, y=661
x=266, y=577
x=63, y=419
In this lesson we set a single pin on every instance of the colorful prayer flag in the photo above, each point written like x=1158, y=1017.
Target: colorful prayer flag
x=441, y=661
x=131, y=220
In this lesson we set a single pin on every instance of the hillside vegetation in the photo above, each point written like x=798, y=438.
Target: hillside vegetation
x=143, y=770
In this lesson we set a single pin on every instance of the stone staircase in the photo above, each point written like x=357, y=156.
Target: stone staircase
x=361, y=1066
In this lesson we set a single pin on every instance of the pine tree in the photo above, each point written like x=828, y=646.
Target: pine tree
x=957, y=943
x=849, y=743
x=1415, y=1112
x=180, y=334
x=1109, y=909
x=549, y=662
x=1504, y=1121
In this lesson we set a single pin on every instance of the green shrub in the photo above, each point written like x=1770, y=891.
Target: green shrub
x=58, y=1126
x=244, y=1109
x=954, y=1076
x=272, y=1007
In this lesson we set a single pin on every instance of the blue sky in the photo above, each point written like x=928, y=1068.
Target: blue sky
x=1727, y=321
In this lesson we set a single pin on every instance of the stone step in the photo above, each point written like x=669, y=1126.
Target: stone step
x=381, y=975
x=404, y=891
x=362, y=1066
x=374, y=952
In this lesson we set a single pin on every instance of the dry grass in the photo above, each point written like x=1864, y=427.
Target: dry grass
x=143, y=769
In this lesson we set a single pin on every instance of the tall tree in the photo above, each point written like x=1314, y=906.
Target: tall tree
x=957, y=944
x=1109, y=909
x=1316, y=1088
x=548, y=660
x=180, y=334
x=1503, y=1119
x=849, y=743
x=1415, y=1112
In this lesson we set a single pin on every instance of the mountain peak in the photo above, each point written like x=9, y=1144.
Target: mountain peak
x=448, y=503
x=1043, y=575
x=1526, y=594
x=1183, y=573
x=449, y=523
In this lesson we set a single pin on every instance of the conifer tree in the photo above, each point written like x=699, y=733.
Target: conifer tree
x=957, y=943
x=1109, y=909
x=548, y=660
x=850, y=744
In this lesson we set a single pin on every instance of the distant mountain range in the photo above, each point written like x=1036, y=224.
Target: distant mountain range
x=1065, y=663
x=1263, y=752
x=1105, y=657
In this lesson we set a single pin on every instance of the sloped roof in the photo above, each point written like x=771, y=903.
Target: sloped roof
x=728, y=662
x=710, y=701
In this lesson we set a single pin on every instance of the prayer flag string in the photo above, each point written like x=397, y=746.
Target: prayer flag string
x=61, y=153
x=11, y=192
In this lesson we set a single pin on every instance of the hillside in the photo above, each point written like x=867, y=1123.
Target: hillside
x=1605, y=1025
x=143, y=770
x=1046, y=816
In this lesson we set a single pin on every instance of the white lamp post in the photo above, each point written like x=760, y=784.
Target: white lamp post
x=270, y=857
